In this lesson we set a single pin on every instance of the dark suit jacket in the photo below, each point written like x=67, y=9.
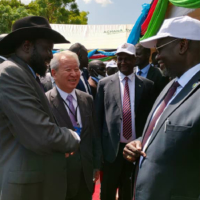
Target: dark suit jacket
x=80, y=85
x=109, y=111
x=46, y=82
x=88, y=156
x=171, y=169
x=154, y=74
x=32, y=146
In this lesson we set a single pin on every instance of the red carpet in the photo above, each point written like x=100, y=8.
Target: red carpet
x=96, y=195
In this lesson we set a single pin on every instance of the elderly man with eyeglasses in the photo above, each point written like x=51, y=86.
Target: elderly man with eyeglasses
x=167, y=156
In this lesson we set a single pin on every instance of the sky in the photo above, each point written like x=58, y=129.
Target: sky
x=110, y=11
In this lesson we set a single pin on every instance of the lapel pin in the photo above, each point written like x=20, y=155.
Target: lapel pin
x=194, y=85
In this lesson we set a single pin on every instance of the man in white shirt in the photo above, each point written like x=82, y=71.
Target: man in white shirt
x=168, y=153
x=123, y=102
x=74, y=109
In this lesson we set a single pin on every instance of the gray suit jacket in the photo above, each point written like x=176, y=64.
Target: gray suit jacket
x=88, y=157
x=32, y=146
x=109, y=111
x=171, y=170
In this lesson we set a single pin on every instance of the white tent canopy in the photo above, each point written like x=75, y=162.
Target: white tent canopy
x=93, y=36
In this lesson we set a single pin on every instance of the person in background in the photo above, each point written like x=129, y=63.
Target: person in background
x=154, y=62
x=82, y=54
x=111, y=68
x=146, y=70
x=74, y=109
x=97, y=72
x=122, y=104
x=47, y=81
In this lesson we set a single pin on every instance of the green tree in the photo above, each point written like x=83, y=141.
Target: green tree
x=10, y=11
x=56, y=11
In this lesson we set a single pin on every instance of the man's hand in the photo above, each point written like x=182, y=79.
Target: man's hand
x=133, y=150
x=96, y=174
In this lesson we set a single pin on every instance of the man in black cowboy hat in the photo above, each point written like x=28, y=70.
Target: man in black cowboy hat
x=32, y=146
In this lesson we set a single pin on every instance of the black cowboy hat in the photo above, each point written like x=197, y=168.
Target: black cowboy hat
x=29, y=28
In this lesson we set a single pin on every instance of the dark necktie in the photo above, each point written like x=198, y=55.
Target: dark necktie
x=139, y=73
x=40, y=84
x=160, y=110
x=127, y=122
x=71, y=110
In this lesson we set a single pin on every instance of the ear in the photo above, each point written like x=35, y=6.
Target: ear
x=184, y=45
x=53, y=73
x=27, y=46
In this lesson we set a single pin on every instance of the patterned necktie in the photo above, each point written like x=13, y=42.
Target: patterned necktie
x=71, y=110
x=38, y=80
x=127, y=122
x=139, y=73
x=160, y=110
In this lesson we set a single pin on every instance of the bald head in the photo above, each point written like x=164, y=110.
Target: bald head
x=97, y=67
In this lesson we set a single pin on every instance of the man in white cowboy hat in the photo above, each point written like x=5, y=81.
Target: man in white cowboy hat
x=123, y=102
x=168, y=153
x=32, y=146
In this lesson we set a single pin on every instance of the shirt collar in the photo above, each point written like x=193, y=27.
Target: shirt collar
x=34, y=74
x=64, y=95
x=185, y=78
x=122, y=76
x=144, y=70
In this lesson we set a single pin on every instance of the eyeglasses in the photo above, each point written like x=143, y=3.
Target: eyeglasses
x=157, y=48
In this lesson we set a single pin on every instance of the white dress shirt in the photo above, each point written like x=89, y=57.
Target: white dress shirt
x=144, y=71
x=75, y=103
x=83, y=80
x=183, y=80
x=131, y=84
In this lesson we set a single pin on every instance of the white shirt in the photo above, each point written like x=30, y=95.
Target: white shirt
x=144, y=71
x=64, y=96
x=131, y=84
x=183, y=80
x=83, y=80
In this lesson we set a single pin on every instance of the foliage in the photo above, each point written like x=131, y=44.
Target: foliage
x=56, y=11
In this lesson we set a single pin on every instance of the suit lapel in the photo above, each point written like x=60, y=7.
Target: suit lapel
x=185, y=93
x=139, y=87
x=157, y=102
x=116, y=91
x=60, y=107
